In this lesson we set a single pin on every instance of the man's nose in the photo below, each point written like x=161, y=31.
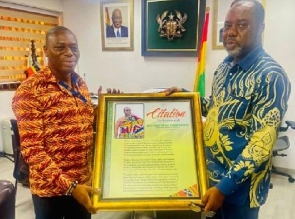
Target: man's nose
x=68, y=51
x=233, y=30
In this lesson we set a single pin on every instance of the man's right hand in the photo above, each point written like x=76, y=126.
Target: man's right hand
x=172, y=90
x=81, y=194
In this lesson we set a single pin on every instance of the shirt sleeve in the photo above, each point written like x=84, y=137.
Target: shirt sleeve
x=269, y=107
x=205, y=103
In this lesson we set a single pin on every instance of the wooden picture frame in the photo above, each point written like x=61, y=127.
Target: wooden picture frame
x=160, y=164
x=124, y=41
x=219, y=14
x=172, y=27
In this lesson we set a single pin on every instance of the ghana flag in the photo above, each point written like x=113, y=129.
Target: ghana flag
x=200, y=73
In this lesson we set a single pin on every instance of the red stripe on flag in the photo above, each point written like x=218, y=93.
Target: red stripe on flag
x=30, y=71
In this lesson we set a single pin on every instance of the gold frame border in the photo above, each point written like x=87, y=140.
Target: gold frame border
x=179, y=203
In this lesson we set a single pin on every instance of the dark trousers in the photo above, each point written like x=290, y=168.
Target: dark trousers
x=230, y=211
x=59, y=207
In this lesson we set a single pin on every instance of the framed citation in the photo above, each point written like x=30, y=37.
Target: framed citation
x=149, y=152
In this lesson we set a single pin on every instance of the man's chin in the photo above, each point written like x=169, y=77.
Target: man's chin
x=233, y=51
x=68, y=69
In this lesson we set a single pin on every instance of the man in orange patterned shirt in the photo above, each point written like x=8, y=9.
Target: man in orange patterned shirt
x=55, y=120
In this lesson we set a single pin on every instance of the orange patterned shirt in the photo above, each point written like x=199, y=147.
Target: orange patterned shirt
x=56, y=133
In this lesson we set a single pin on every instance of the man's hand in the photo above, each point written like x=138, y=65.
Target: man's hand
x=213, y=199
x=109, y=91
x=172, y=90
x=81, y=194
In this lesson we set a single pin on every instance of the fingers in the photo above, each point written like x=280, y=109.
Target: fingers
x=205, y=199
x=95, y=191
x=92, y=210
x=109, y=91
x=82, y=194
x=99, y=91
x=92, y=190
x=172, y=90
x=113, y=91
x=208, y=203
x=212, y=199
x=208, y=207
x=90, y=207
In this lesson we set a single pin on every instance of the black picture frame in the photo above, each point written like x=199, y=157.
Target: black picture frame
x=188, y=44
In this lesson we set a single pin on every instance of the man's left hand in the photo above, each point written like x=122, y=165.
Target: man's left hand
x=109, y=91
x=81, y=194
x=213, y=199
x=172, y=90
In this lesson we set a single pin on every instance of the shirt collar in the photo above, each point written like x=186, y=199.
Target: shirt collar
x=248, y=60
x=75, y=78
x=47, y=71
x=116, y=28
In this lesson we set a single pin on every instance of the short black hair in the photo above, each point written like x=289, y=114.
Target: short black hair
x=54, y=30
x=258, y=9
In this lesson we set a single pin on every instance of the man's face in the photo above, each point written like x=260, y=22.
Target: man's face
x=127, y=111
x=240, y=33
x=117, y=18
x=62, y=52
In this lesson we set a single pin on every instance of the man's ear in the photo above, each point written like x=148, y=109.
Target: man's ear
x=261, y=28
x=45, y=50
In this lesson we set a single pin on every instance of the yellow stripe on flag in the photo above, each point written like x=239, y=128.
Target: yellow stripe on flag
x=107, y=17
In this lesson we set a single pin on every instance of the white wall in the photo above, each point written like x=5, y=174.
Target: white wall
x=126, y=70
x=279, y=41
x=131, y=72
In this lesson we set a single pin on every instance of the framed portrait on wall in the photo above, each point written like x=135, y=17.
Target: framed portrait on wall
x=149, y=152
x=117, y=25
x=172, y=27
x=220, y=9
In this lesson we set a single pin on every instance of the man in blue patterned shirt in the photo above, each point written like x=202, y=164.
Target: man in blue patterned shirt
x=249, y=99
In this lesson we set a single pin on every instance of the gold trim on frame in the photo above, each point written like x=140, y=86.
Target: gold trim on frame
x=181, y=113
